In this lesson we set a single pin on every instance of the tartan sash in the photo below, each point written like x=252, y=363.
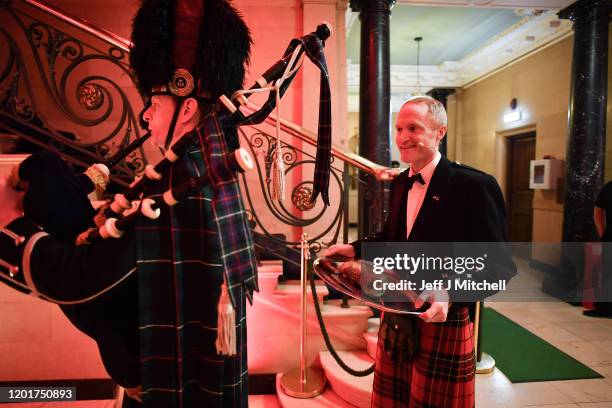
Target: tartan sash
x=235, y=239
x=313, y=47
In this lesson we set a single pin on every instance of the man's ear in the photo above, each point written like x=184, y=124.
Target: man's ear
x=441, y=132
x=189, y=110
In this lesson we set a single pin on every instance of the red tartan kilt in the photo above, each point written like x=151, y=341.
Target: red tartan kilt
x=440, y=376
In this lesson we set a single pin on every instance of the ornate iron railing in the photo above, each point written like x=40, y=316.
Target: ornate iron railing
x=270, y=217
x=325, y=225
x=65, y=85
x=65, y=89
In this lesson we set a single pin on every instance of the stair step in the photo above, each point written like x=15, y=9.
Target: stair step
x=291, y=289
x=325, y=400
x=268, y=273
x=270, y=266
x=264, y=401
x=495, y=389
x=274, y=328
x=354, y=390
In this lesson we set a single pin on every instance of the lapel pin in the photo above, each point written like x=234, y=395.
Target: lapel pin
x=436, y=198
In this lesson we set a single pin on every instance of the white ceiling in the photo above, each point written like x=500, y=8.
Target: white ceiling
x=449, y=33
x=460, y=44
x=512, y=4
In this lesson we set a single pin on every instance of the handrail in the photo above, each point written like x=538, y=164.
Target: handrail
x=84, y=25
x=310, y=138
x=289, y=127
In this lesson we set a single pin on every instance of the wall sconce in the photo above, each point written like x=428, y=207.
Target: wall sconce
x=512, y=117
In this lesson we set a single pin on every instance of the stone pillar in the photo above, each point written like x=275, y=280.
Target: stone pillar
x=440, y=94
x=374, y=106
x=587, y=117
x=586, y=142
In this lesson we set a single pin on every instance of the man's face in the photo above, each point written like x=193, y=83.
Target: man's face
x=159, y=116
x=415, y=125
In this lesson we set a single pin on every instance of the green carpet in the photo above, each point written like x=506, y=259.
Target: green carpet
x=523, y=356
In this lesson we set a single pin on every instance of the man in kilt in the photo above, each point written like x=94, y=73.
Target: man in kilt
x=428, y=360
x=184, y=277
x=198, y=257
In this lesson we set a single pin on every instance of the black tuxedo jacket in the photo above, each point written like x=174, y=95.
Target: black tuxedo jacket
x=461, y=204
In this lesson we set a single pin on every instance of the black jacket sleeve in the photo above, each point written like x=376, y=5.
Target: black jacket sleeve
x=487, y=218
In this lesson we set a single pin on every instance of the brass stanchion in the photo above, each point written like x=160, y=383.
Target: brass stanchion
x=484, y=362
x=303, y=382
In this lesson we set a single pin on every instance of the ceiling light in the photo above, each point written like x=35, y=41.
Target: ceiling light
x=417, y=88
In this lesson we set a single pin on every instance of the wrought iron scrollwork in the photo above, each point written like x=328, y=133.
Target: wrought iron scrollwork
x=91, y=96
x=49, y=97
x=267, y=214
x=74, y=94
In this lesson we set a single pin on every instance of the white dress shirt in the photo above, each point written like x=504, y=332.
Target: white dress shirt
x=416, y=195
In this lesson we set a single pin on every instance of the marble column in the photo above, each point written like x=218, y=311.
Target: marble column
x=587, y=117
x=374, y=107
x=586, y=140
x=440, y=94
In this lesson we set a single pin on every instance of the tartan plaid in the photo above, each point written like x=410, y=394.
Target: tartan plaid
x=441, y=374
x=236, y=241
x=180, y=272
x=313, y=47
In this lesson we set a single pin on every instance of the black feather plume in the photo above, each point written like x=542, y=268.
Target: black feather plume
x=223, y=49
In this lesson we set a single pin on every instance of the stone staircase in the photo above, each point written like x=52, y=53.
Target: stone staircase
x=273, y=324
x=343, y=389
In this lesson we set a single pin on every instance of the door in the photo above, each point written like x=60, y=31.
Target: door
x=521, y=150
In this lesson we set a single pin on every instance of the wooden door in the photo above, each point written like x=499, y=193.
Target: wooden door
x=520, y=197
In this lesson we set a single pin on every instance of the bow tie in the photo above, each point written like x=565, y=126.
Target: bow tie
x=417, y=177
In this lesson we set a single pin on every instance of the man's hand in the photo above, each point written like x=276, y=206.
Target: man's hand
x=386, y=173
x=345, y=250
x=438, y=310
x=351, y=270
x=11, y=202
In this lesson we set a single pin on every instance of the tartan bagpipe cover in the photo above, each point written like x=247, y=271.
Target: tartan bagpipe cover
x=182, y=258
x=313, y=47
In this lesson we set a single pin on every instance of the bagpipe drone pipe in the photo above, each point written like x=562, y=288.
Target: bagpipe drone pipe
x=281, y=74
